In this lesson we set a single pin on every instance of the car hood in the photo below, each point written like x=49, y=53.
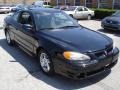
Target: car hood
x=80, y=39
x=113, y=18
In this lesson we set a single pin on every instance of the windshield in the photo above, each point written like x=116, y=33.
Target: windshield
x=53, y=20
x=117, y=14
x=70, y=8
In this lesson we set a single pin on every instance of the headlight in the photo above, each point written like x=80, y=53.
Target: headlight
x=75, y=56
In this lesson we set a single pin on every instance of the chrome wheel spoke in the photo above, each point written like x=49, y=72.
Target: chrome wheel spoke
x=44, y=61
x=8, y=37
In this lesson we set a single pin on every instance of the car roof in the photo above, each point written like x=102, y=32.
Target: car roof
x=41, y=9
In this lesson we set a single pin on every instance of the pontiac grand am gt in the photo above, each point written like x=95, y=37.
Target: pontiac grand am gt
x=60, y=43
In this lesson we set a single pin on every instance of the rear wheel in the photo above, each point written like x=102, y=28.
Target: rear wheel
x=46, y=62
x=8, y=39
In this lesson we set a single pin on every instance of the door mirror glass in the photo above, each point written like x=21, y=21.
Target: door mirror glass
x=27, y=27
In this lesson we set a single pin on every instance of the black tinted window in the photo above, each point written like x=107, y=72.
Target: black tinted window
x=25, y=18
x=85, y=9
x=15, y=16
x=70, y=8
x=46, y=20
x=80, y=9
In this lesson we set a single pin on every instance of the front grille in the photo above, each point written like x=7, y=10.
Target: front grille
x=101, y=53
x=92, y=73
x=106, y=52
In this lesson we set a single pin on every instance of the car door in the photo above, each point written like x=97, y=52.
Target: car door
x=13, y=25
x=79, y=14
x=85, y=12
x=25, y=37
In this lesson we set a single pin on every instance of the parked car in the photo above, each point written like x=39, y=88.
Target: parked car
x=12, y=7
x=60, y=7
x=4, y=9
x=79, y=12
x=60, y=43
x=112, y=22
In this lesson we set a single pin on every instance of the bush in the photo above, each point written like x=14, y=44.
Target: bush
x=102, y=13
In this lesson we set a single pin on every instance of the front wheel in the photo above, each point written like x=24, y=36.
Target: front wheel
x=89, y=17
x=8, y=39
x=71, y=15
x=46, y=62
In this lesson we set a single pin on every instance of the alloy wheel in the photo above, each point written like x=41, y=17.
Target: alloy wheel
x=8, y=38
x=44, y=62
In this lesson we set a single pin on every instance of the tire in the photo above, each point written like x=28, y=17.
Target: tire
x=71, y=15
x=8, y=39
x=45, y=61
x=89, y=17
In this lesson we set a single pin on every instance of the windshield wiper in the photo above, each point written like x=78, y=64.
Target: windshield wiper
x=68, y=26
x=46, y=28
x=57, y=28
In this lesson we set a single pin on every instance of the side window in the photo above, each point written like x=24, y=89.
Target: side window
x=15, y=16
x=85, y=9
x=79, y=9
x=25, y=18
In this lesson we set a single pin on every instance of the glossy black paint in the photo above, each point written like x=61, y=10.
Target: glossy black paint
x=56, y=41
x=79, y=39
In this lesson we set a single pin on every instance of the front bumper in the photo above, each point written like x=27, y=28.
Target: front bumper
x=84, y=70
x=110, y=26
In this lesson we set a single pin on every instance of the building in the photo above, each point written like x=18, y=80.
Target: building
x=20, y=1
x=89, y=3
x=15, y=1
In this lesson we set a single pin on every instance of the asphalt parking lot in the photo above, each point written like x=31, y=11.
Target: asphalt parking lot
x=18, y=71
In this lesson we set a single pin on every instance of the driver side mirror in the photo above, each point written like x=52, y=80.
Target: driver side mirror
x=27, y=27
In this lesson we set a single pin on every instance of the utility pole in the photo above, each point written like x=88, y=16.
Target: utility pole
x=57, y=2
x=74, y=2
x=113, y=2
x=65, y=2
x=98, y=1
x=85, y=2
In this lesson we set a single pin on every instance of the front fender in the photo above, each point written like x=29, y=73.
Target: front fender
x=52, y=46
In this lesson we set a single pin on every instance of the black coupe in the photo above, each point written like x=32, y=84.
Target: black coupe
x=60, y=43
